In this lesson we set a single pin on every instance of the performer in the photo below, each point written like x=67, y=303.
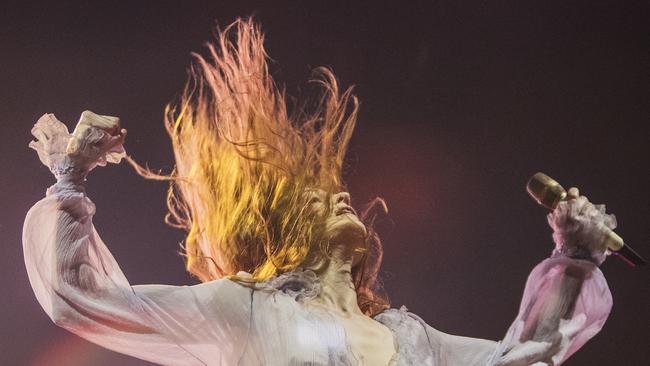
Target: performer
x=289, y=269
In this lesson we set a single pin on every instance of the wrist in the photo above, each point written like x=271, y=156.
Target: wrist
x=580, y=229
x=68, y=169
x=68, y=179
x=579, y=253
x=68, y=173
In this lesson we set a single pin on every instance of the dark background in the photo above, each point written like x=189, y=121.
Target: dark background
x=461, y=103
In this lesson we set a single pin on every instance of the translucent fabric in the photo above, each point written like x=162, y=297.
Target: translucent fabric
x=81, y=287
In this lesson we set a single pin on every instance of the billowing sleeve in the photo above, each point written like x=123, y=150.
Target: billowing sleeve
x=81, y=287
x=565, y=303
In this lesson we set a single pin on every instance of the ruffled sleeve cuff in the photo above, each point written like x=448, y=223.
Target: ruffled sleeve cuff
x=71, y=156
x=580, y=229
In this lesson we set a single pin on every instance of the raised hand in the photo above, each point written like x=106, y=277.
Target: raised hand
x=97, y=140
x=580, y=227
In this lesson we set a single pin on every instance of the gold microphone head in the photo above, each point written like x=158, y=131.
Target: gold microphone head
x=546, y=191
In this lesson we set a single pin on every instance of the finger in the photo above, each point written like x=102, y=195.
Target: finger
x=117, y=139
x=114, y=143
x=90, y=119
x=40, y=135
x=573, y=192
x=585, y=206
x=36, y=145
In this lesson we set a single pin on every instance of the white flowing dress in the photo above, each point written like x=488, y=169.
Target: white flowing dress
x=81, y=287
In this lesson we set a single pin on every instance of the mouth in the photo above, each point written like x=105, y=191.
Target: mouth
x=345, y=210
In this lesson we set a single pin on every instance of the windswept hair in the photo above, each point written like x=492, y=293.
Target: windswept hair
x=244, y=163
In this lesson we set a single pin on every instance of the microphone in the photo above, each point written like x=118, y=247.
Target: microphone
x=549, y=193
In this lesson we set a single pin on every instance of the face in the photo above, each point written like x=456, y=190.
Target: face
x=342, y=225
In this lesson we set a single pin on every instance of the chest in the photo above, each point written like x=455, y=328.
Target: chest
x=284, y=334
x=371, y=342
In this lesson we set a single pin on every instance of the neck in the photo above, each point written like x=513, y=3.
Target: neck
x=338, y=290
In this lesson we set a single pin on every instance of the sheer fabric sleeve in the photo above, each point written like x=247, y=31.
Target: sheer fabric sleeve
x=565, y=303
x=81, y=287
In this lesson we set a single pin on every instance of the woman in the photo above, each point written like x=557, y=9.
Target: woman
x=289, y=269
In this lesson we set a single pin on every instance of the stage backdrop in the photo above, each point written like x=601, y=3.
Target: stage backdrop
x=461, y=103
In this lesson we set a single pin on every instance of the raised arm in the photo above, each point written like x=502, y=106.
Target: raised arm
x=81, y=287
x=567, y=300
x=565, y=303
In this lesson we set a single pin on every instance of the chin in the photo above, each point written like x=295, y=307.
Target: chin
x=346, y=229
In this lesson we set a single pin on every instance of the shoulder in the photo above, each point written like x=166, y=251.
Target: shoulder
x=415, y=336
x=416, y=340
x=397, y=317
x=405, y=323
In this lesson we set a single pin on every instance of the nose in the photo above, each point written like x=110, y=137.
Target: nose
x=341, y=197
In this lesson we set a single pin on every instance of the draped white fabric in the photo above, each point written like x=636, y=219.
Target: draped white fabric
x=81, y=287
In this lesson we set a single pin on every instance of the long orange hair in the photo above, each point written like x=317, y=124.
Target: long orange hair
x=243, y=164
